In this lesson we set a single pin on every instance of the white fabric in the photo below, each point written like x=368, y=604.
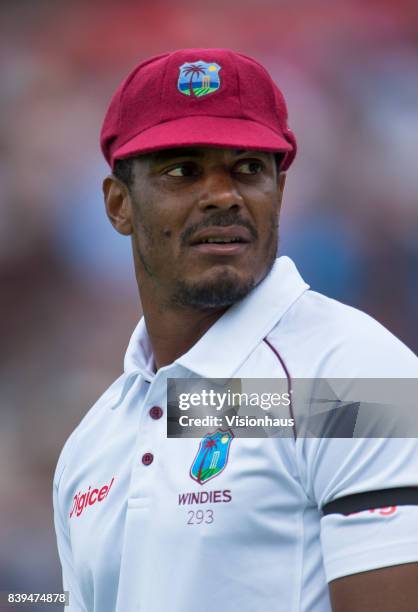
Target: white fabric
x=262, y=544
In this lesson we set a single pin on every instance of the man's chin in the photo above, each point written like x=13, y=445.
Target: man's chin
x=222, y=290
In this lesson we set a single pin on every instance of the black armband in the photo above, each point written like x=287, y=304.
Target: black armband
x=401, y=496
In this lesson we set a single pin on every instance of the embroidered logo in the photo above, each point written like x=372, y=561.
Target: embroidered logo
x=199, y=78
x=88, y=498
x=212, y=456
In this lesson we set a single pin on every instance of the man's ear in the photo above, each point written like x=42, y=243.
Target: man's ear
x=118, y=205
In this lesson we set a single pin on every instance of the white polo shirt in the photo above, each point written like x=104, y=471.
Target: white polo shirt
x=135, y=530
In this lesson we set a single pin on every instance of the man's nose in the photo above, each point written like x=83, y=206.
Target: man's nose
x=219, y=190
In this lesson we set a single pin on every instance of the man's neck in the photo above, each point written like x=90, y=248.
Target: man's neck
x=173, y=331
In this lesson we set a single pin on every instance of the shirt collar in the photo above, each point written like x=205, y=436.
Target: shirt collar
x=139, y=358
x=227, y=344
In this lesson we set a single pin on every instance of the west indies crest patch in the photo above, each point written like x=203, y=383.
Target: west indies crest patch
x=197, y=79
x=212, y=456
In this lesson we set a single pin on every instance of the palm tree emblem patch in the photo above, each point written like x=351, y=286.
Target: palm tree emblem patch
x=198, y=79
x=212, y=456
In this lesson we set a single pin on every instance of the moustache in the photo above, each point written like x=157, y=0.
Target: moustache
x=217, y=219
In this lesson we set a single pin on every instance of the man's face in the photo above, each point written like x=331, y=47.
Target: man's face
x=205, y=223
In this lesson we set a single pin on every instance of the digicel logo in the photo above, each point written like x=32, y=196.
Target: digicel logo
x=89, y=497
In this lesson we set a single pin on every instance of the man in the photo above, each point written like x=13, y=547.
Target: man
x=198, y=144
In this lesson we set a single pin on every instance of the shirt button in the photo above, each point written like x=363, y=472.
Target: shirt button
x=147, y=458
x=156, y=412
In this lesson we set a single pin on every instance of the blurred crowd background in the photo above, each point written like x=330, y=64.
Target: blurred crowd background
x=68, y=296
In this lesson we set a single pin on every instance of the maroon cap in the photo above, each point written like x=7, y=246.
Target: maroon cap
x=197, y=97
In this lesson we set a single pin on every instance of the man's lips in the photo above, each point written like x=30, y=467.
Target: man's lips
x=229, y=248
x=222, y=235
x=230, y=240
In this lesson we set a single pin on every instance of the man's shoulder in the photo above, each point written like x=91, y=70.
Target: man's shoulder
x=340, y=340
x=90, y=420
x=321, y=312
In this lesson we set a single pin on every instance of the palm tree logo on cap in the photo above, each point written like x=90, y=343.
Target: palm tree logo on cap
x=199, y=78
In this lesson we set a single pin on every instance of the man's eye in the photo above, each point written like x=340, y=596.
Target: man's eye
x=249, y=167
x=182, y=170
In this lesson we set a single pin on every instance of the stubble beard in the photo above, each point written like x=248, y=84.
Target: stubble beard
x=225, y=289
x=211, y=295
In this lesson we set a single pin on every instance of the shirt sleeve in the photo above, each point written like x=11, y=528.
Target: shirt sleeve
x=375, y=537
x=335, y=468
x=69, y=577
